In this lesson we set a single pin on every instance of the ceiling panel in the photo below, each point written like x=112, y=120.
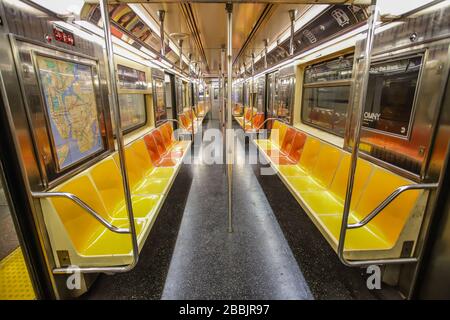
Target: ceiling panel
x=272, y=28
x=212, y=25
x=173, y=21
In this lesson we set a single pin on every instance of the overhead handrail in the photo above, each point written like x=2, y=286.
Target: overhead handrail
x=83, y=205
x=389, y=199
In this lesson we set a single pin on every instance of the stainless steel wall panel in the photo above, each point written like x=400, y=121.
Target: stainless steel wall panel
x=429, y=35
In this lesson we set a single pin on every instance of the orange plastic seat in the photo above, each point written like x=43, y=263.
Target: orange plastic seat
x=256, y=123
x=157, y=158
x=297, y=146
x=167, y=134
x=282, y=158
x=163, y=151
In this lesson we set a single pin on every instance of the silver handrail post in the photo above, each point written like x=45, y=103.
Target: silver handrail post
x=397, y=192
x=222, y=105
x=119, y=136
x=357, y=134
x=230, y=153
x=81, y=204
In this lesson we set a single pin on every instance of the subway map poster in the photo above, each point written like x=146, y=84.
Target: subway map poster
x=71, y=108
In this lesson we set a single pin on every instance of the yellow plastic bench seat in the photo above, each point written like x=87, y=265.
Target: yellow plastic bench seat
x=143, y=206
x=304, y=184
x=310, y=153
x=162, y=173
x=393, y=218
x=291, y=170
x=151, y=186
x=264, y=144
x=143, y=176
x=319, y=182
x=322, y=202
x=106, y=242
x=87, y=242
x=360, y=239
x=180, y=146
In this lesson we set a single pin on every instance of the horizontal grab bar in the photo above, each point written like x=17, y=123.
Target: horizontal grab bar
x=83, y=205
x=389, y=199
x=168, y=120
x=268, y=119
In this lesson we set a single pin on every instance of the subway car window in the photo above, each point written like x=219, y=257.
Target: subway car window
x=391, y=95
x=168, y=90
x=133, y=112
x=326, y=94
x=285, y=97
x=132, y=106
x=159, y=101
x=260, y=94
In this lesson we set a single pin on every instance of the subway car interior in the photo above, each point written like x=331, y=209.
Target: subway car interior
x=224, y=150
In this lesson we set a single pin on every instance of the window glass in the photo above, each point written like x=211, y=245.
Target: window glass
x=132, y=111
x=271, y=94
x=168, y=84
x=160, y=106
x=326, y=94
x=285, y=96
x=260, y=93
x=333, y=70
x=326, y=107
x=390, y=95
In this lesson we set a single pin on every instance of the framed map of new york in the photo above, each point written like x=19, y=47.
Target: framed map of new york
x=71, y=109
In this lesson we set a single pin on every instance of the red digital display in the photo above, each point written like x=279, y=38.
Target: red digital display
x=64, y=36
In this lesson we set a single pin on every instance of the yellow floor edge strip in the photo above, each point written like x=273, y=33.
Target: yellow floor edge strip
x=15, y=283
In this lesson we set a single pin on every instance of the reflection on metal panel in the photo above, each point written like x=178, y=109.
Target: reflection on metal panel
x=57, y=84
x=408, y=73
x=125, y=23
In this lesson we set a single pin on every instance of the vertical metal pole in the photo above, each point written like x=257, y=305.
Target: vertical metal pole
x=230, y=153
x=220, y=102
x=292, y=14
x=245, y=78
x=357, y=133
x=161, y=15
x=118, y=125
x=254, y=94
x=180, y=44
x=222, y=75
x=266, y=44
x=192, y=112
x=189, y=66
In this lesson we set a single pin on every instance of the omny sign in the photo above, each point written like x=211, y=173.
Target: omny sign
x=371, y=116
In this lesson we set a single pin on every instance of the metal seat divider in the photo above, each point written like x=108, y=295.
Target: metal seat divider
x=122, y=161
x=354, y=158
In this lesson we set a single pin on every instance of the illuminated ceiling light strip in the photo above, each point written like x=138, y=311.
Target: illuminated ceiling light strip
x=151, y=54
x=145, y=17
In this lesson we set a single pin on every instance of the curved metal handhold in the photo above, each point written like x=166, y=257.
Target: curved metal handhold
x=83, y=205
